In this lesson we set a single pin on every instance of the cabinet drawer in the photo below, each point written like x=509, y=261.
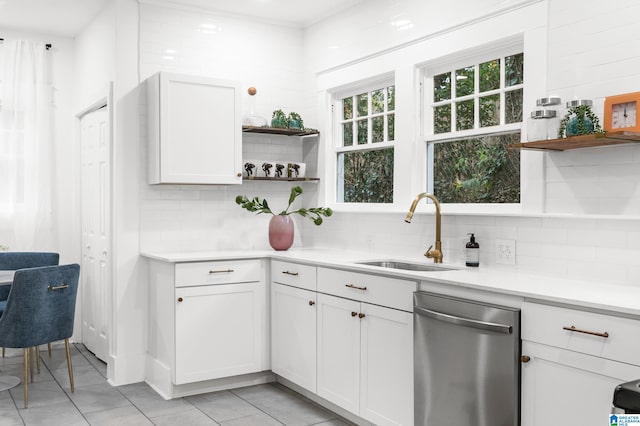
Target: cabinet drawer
x=384, y=291
x=294, y=274
x=551, y=325
x=219, y=272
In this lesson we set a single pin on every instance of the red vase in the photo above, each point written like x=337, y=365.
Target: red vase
x=281, y=232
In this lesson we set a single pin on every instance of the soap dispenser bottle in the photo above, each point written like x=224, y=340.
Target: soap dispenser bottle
x=472, y=252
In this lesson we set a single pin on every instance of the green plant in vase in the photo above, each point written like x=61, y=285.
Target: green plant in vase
x=279, y=119
x=579, y=120
x=281, y=225
x=295, y=121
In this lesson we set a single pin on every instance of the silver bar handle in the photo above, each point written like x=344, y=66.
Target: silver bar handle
x=218, y=271
x=466, y=322
x=57, y=287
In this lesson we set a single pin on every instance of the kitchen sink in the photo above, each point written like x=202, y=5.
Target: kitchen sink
x=394, y=264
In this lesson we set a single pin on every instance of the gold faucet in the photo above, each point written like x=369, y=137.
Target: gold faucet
x=436, y=254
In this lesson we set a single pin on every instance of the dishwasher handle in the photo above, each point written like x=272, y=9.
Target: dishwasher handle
x=466, y=322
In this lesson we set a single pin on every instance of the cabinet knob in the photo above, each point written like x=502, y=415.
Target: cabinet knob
x=311, y=303
x=525, y=358
x=180, y=299
x=239, y=174
x=361, y=315
x=353, y=314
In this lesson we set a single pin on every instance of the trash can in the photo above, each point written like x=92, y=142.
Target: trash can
x=626, y=398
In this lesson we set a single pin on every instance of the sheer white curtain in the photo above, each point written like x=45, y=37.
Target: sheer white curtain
x=26, y=148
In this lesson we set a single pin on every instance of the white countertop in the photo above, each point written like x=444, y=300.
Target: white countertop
x=622, y=299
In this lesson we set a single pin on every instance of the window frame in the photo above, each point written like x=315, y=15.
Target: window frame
x=337, y=147
x=429, y=138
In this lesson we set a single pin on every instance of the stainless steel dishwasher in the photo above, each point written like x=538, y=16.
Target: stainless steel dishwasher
x=466, y=362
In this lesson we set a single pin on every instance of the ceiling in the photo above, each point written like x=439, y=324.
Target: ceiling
x=67, y=18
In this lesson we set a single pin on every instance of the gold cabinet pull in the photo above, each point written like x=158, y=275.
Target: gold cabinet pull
x=180, y=299
x=239, y=174
x=592, y=333
x=353, y=314
x=361, y=315
x=356, y=287
x=57, y=287
x=290, y=273
x=311, y=303
x=219, y=271
x=525, y=358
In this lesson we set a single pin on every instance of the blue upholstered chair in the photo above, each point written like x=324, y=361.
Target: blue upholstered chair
x=40, y=309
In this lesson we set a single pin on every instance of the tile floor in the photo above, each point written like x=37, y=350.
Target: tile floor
x=95, y=402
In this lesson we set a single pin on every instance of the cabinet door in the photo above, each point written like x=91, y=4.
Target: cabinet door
x=569, y=388
x=386, y=370
x=218, y=331
x=339, y=351
x=293, y=335
x=198, y=139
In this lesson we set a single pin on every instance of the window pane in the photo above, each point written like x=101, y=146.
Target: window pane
x=391, y=119
x=442, y=87
x=347, y=134
x=363, y=135
x=442, y=119
x=391, y=98
x=490, y=75
x=377, y=101
x=377, y=129
x=490, y=110
x=366, y=176
x=363, y=107
x=347, y=108
x=477, y=170
x=464, y=115
x=465, y=81
x=513, y=106
x=513, y=73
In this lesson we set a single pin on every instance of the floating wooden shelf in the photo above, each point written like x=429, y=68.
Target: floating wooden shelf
x=304, y=179
x=278, y=131
x=582, y=141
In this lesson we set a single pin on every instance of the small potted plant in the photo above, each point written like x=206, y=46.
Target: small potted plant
x=279, y=119
x=579, y=120
x=281, y=225
x=295, y=121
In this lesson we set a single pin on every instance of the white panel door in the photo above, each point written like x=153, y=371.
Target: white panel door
x=95, y=286
x=293, y=335
x=339, y=351
x=219, y=331
x=386, y=369
x=569, y=388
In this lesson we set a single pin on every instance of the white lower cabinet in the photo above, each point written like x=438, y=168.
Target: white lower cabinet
x=573, y=361
x=365, y=361
x=293, y=334
x=208, y=320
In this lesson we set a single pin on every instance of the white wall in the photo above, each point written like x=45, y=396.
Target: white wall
x=582, y=207
x=268, y=57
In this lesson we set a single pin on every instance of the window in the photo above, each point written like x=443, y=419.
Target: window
x=475, y=111
x=365, y=145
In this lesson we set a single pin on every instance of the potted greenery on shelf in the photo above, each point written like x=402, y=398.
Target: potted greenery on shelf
x=579, y=120
x=281, y=225
x=295, y=121
x=279, y=119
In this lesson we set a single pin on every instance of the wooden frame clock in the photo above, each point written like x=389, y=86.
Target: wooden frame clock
x=621, y=113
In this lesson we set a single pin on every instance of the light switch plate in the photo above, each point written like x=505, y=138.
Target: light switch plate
x=506, y=252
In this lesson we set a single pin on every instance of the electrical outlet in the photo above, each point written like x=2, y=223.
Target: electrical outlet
x=506, y=252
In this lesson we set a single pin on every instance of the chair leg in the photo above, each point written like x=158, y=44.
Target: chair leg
x=25, y=379
x=66, y=346
x=49, y=349
x=38, y=358
x=31, y=363
x=2, y=352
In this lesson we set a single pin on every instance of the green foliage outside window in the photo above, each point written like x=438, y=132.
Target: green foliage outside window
x=367, y=176
x=477, y=170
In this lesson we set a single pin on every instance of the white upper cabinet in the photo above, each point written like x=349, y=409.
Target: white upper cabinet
x=194, y=130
